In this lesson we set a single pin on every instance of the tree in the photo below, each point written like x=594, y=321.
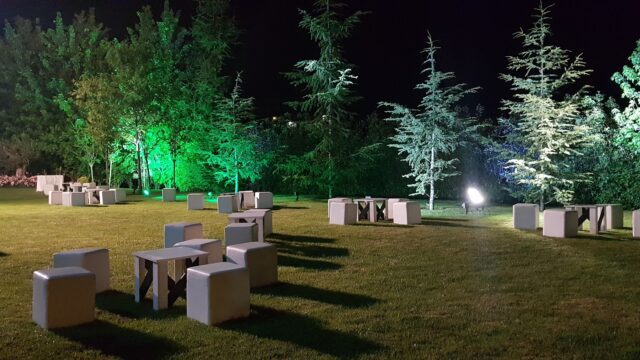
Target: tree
x=429, y=135
x=234, y=139
x=327, y=82
x=542, y=117
x=628, y=120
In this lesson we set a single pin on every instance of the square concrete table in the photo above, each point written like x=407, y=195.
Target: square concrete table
x=372, y=209
x=596, y=215
x=250, y=217
x=151, y=268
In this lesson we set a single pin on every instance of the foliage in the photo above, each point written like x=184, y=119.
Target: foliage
x=542, y=119
x=428, y=136
x=18, y=181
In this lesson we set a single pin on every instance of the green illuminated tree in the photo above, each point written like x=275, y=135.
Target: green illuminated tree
x=543, y=116
x=628, y=119
x=327, y=83
x=428, y=136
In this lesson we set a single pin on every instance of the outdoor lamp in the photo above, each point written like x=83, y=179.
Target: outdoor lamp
x=474, y=199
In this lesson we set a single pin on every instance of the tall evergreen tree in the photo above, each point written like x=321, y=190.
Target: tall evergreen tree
x=428, y=136
x=327, y=83
x=542, y=116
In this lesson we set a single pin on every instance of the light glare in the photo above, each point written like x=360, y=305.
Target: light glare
x=475, y=197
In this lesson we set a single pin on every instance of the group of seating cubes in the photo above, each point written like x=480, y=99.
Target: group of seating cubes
x=342, y=211
x=67, y=198
x=65, y=294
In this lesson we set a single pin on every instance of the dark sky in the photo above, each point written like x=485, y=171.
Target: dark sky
x=475, y=37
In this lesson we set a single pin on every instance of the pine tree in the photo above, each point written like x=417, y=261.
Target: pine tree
x=543, y=118
x=327, y=82
x=428, y=136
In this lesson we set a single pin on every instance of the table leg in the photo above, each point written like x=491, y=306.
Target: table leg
x=139, y=272
x=160, y=285
x=602, y=225
x=380, y=211
x=260, y=229
x=593, y=220
x=363, y=211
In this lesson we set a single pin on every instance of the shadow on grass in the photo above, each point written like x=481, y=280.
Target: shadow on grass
x=444, y=219
x=300, y=238
x=302, y=331
x=430, y=222
x=316, y=294
x=310, y=250
x=119, y=342
x=3, y=254
x=604, y=237
x=284, y=260
x=280, y=207
x=378, y=224
x=123, y=304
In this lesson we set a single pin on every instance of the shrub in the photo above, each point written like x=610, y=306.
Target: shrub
x=18, y=181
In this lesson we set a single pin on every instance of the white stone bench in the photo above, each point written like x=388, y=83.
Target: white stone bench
x=227, y=204
x=212, y=246
x=560, y=223
x=407, y=213
x=55, y=198
x=181, y=231
x=248, y=199
x=526, y=216
x=268, y=220
x=343, y=213
x=168, y=194
x=95, y=260
x=264, y=200
x=63, y=297
x=73, y=199
x=260, y=258
x=107, y=197
x=338, y=199
x=121, y=195
x=614, y=216
x=238, y=233
x=389, y=206
x=195, y=201
x=217, y=292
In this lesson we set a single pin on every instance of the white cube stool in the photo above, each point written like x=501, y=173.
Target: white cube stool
x=248, y=199
x=217, y=292
x=73, y=199
x=268, y=220
x=635, y=223
x=102, y=187
x=343, y=213
x=168, y=194
x=260, y=258
x=195, y=201
x=63, y=297
x=560, y=223
x=614, y=216
x=227, y=204
x=526, y=216
x=181, y=231
x=407, y=213
x=339, y=199
x=211, y=246
x=47, y=188
x=76, y=187
x=107, y=197
x=121, y=195
x=238, y=233
x=55, y=198
x=95, y=260
x=389, y=206
x=264, y=200
x=89, y=185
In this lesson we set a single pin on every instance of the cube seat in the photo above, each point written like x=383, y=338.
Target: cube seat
x=268, y=220
x=195, y=201
x=238, y=233
x=248, y=199
x=227, y=204
x=260, y=258
x=73, y=199
x=63, y=297
x=168, y=194
x=338, y=199
x=55, y=198
x=121, y=195
x=217, y=292
x=389, y=206
x=47, y=188
x=560, y=223
x=264, y=200
x=211, y=246
x=102, y=187
x=407, y=213
x=107, y=197
x=343, y=213
x=181, y=231
x=635, y=223
x=95, y=260
x=614, y=216
x=526, y=216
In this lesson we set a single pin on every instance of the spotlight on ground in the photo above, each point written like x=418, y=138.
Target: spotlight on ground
x=146, y=192
x=474, y=199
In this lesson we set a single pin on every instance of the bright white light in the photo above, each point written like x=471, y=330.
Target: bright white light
x=474, y=195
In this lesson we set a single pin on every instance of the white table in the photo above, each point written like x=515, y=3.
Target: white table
x=372, y=209
x=594, y=213
x=151, y=268
x=250, y=217
x=93, y=195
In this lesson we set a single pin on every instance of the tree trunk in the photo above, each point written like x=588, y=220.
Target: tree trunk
x=91, y=170
x=542, y=201
x=173, y=160
x=138, y=163
x=432, y=189
x=146, y=164
x=235, y=163
x=107, y=169
x=110, y=172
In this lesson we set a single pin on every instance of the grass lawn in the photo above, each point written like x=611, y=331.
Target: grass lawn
x=455, y=286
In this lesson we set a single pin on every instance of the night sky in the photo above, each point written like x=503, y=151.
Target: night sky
x=475, y=37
